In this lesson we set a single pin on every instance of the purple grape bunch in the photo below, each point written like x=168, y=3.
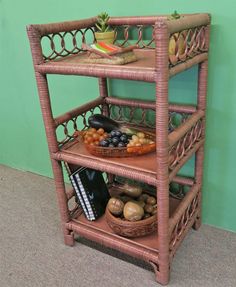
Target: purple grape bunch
x=116, y=138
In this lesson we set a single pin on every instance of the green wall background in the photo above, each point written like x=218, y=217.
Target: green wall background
x=23, y=143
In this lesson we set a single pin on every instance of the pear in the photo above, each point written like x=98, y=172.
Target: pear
x=176, y=38
x=173, y=43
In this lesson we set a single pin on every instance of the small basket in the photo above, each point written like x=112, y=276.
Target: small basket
x=131, y=229
x=123, y=151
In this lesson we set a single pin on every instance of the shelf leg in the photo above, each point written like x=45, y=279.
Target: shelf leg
x=197, y=223
x=103, y=91
x=162, y=151
x=62, y=201
x=202, y=94
x=201, y=104
x=53, y=148
x=163, y=280
x=69, y=238
x=198, y=178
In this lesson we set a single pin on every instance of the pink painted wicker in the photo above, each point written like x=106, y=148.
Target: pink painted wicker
x=57, y=49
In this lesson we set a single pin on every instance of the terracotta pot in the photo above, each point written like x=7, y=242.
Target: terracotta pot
x=107, y=37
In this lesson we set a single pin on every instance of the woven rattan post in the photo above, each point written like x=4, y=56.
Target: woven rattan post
x=176, y=214
x=49, y=124
x=103, y=93
x=162, y=153
x=103, y=90
x=53, y=148
x=202, y=94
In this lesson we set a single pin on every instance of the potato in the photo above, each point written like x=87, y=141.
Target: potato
x=132, y=190
x=151, y=200
x=148, y=208
x=115, y=206
x=143, y=197
x=133, y=211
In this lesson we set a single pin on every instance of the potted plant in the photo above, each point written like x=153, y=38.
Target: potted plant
x=104, y=32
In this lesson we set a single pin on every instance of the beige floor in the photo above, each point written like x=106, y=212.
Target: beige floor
x=32, y=252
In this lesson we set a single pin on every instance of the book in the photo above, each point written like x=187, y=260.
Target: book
x=106, y=48
x=90, y=188
x=104, y=53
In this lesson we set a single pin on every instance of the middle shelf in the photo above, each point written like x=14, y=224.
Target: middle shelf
x=183, y=140
x=141, y=167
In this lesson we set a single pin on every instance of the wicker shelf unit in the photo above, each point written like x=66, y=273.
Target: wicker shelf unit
x=63, y=55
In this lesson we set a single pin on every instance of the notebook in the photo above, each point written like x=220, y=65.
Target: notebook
x=90, y=188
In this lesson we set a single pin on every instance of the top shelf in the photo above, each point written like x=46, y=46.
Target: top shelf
x=141, y=70
x=57, y=47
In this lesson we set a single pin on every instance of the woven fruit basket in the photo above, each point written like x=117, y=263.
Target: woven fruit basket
x=131, y=212
x=123, y=151
x=131, y=229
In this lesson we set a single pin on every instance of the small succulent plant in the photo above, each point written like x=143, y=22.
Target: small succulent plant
x=102, y=22
x=175, y=15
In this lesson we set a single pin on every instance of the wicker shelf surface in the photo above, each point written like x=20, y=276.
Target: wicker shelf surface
x=142, y=70
x=149, y=242
x=136, y=167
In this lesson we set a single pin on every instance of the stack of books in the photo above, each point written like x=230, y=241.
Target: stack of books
x=90, y=188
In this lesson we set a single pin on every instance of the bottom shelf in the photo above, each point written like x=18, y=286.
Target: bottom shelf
x=145, y=248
